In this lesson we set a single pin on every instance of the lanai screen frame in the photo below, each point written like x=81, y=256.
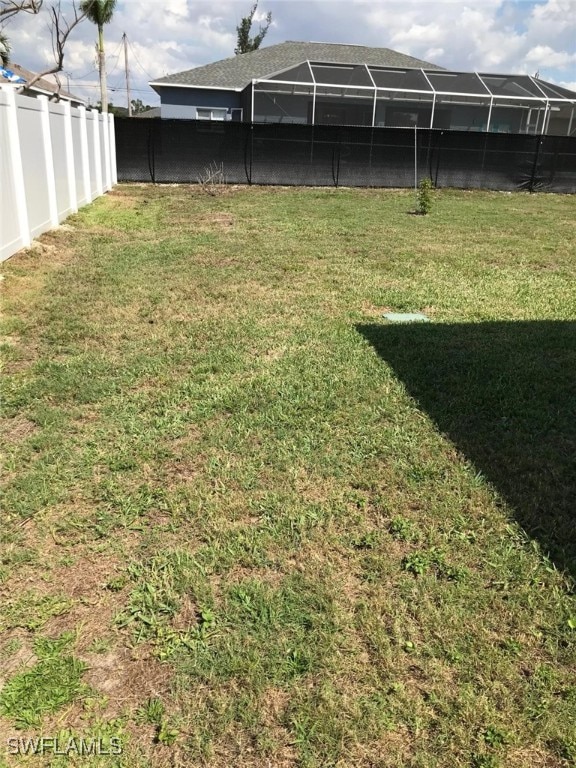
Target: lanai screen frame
x=492, y=99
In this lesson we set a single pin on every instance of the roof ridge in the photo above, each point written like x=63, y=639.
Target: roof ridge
x=236, y=72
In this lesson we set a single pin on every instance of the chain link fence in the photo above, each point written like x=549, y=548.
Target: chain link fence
x=183, y=151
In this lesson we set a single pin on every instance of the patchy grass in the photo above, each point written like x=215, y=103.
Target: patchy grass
x=246, y=522
x=54, y=681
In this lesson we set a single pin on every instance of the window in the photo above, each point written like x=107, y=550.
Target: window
x=203, y=113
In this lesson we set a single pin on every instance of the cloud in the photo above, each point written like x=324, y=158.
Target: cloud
x=484, y=35
x=545, y=56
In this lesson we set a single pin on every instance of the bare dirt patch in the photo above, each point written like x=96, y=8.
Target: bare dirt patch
x=17, y=429
x=127, y=677
x=121, y=197
x=22, y=658
x=218, y=220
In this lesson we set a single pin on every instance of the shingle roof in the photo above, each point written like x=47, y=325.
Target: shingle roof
x=154, y=112
x=44, y=84
x=238, y=71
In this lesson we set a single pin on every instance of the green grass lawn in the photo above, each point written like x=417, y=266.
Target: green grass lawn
x=246, y=522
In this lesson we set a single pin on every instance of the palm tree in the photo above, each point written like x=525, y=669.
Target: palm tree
x=100, y=12
x=4, y=50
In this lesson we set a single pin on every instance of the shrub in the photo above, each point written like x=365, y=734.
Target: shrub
x=424, y=196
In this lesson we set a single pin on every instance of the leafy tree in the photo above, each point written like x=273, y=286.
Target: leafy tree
x=245, y=43
x=117, y=111
x=100, y=12
x=4, y=50
x=138, y=106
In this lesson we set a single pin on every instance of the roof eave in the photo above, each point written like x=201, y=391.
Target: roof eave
x=203, y=87
x=45, y=92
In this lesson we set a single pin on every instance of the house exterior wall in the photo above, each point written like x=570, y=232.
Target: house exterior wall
x=182, y=103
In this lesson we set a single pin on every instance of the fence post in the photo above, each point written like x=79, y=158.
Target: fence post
x=69, y=142
x=48, y=160
x=150, y=147
x=251, y=150
x=112, y=135
x=439, y=148
x=337, y=149
x=416, y=159
x=84, y=155
x=14, y=151
x=104, y=127
x=535, y=164
x=97, y=152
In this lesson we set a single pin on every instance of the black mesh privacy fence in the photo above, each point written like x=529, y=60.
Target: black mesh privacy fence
x=172, y=151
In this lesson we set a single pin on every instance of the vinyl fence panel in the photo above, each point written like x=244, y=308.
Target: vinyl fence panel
x=53, y=160
x=60, y=159
x=13, y=215
x=34, y=161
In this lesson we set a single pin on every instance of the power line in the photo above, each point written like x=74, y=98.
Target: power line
x=116, y=52
x=95, y=69
x=117, y=88
x=115, y=66
x=138, y=61
x=81, y=77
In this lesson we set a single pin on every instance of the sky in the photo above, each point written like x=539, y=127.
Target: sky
x=501, y=36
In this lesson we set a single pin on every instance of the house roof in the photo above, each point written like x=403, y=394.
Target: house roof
x=44, y=85
x=237, y=72
x=154, y=112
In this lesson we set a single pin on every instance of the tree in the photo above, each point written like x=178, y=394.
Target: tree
x=245, y=43
x=61, y=27
x=138, y=106
x=8, y=9
x=116, y=111
x=100, y=12
x=4, y=50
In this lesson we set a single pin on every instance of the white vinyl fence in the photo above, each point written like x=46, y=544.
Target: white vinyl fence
x=54, y=159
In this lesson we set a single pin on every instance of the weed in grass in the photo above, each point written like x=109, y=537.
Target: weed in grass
x=368, y=540
x=152, y=712
x=167, y=734
x=495, y=737
x=416, y=563
x=32, y=610
x=117, y=583
x=512, y=646
x=161, y=584
x=419, y=563
x=402, y=529
x=54, y=681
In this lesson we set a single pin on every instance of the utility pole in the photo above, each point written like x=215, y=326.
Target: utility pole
x=127, y=72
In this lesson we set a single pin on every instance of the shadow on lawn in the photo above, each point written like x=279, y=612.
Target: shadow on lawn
x=505, y=394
